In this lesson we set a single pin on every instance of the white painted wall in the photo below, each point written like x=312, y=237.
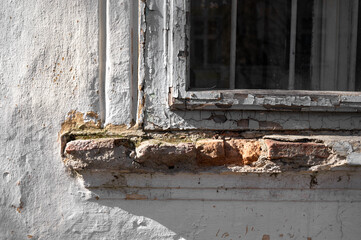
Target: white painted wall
x=50, y=65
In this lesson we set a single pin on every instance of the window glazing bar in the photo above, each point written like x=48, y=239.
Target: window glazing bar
x=232, y=79
x=293, y=35
x=354, y=33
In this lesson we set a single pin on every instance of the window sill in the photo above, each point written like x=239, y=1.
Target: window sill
x=270, y=154
x=264, y=100
x=117, y=169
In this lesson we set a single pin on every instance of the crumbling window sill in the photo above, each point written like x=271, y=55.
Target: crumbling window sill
x=220, y=168
x=269, y=154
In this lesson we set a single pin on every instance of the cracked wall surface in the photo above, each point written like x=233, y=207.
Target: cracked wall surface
x=55, y=90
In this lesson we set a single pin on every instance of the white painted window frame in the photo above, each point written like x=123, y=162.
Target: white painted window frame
x=180, y=98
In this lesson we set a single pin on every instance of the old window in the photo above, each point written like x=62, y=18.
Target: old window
x=249, y=64
x=258, y=45
x=278, y=44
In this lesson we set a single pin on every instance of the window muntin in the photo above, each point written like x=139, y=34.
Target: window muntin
x=278, y=44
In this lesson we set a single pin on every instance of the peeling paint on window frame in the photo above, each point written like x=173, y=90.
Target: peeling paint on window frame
x=164, y=102
x=180, y=98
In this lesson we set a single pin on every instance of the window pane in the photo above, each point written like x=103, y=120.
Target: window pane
x=358, y=61
x=305, y=23
x=280, y=44
x=210, y=44
x=263, y=44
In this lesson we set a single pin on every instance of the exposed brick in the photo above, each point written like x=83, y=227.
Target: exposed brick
x=295, y=150
x=251, y=152
x=157, y=154
x=103, y=153
x=211, y=152
x=101, y=143
x=234, y=151
x=242, y=151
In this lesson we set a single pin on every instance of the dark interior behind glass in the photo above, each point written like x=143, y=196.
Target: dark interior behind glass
x=263, y=45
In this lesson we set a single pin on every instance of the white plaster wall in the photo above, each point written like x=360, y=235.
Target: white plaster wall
x=49, y=65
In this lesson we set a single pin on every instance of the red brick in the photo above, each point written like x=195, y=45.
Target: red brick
x=242, y=151
x=211, y=152
x=234, y=151
x=295, y=150
x=251, y=152
x=91, y=144
x=153, y=153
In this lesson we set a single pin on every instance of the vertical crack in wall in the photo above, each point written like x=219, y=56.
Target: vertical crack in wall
x=141, y=63
x=102, y=57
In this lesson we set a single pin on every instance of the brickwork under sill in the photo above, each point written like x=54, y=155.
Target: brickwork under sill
x=269, y=154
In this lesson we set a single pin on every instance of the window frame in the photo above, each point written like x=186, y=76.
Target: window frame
x=181, y=98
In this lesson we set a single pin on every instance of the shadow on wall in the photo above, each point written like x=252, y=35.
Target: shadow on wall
x=297, y=207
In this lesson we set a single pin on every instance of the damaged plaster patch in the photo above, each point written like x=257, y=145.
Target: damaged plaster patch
x=80, y=121
x=87, y=146
x=88, y=125
x=213, y=155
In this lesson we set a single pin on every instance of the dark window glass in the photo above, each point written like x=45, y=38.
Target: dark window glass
x=263, y=44
x=358, y=58
x=279, y=44
x=304, y=45
x=209, y=44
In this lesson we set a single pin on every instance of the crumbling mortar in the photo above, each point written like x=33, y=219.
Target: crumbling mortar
x=76, y=128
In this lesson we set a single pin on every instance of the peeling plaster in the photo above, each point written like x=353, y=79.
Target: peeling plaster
x=43, y=41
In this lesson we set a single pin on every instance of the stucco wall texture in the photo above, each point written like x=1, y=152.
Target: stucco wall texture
x=50, y=63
